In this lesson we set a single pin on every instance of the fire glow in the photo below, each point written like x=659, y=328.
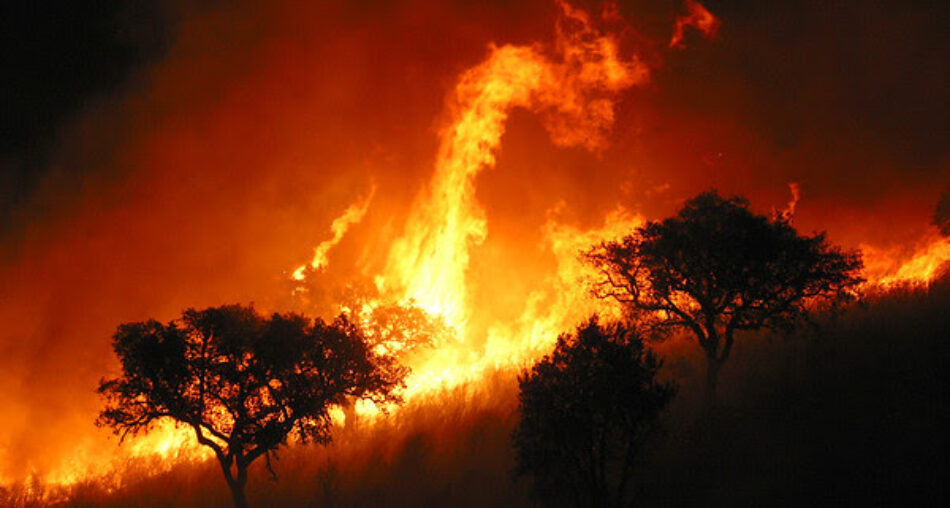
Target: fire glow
x=572, y=85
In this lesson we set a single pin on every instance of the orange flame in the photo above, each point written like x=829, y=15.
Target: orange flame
x=574, y=92
x=788, y=213
x=163, y=446
x=573, y=86
x=353, y=214
x=892, y=267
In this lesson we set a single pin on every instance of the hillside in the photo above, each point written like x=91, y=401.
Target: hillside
x=849, y=412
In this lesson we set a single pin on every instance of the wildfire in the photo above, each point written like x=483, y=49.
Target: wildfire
x=573, y=86
x=789, y=211
x=353, y=214
x=896, y=266
x=574, y=90
x=161, y=448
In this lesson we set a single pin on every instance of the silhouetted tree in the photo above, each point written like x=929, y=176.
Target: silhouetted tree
x=716, y=268
x=241, y=381
x=399, y=329
x=941, y=217
x=585, y=410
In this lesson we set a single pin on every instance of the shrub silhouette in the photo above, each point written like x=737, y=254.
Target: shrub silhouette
x=716, y=268
x=585, y=409
x=242, y=382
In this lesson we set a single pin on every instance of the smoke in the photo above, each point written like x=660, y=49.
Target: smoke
x=845, y=99
x=697, y=17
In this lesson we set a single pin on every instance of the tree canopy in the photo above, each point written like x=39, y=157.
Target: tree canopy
x=716, y=268
x=242, y=382
x=585, y=410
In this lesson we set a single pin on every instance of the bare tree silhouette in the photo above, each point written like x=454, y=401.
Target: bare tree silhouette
x=241, y=381
x=716, y=268
x=585, y=411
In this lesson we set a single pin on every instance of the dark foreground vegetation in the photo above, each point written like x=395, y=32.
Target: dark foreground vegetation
x=717, y=270
x=585, y=411
x=242, y=382
x=851, y=413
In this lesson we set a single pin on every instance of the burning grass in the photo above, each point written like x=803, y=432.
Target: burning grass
x=848, y=412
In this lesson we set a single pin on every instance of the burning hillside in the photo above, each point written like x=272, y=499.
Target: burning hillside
x=433, y=170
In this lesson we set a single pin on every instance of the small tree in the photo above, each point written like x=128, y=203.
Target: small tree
x=716, y=268
x=241, y=381
x=585, y=410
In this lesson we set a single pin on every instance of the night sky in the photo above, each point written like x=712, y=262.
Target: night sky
x=60, y=56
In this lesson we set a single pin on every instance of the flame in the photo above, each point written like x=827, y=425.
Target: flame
x=697, y=17
x=161, y=448
x=574, y=91
x=895, y=266
x=788, y=213
x=561, y=301
x=796, y=192
x=352, y=215
x=575, y=94
x=573, y=86
x=565, y=300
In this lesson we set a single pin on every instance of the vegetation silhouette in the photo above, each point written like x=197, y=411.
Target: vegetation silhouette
x=398, y=329
x=848, y=413
x=243, y=382
x=585, y=411
x=716, y=268
x=941, y=217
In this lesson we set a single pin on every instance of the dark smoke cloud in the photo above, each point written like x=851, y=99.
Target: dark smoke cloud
x=58, y=56
x=850, y=99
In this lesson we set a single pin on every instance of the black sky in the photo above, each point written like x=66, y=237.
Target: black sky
x=57, y=56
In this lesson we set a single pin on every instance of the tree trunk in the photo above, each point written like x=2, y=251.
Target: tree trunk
x=236, y=485
x=237, y=492
x=712, y=378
